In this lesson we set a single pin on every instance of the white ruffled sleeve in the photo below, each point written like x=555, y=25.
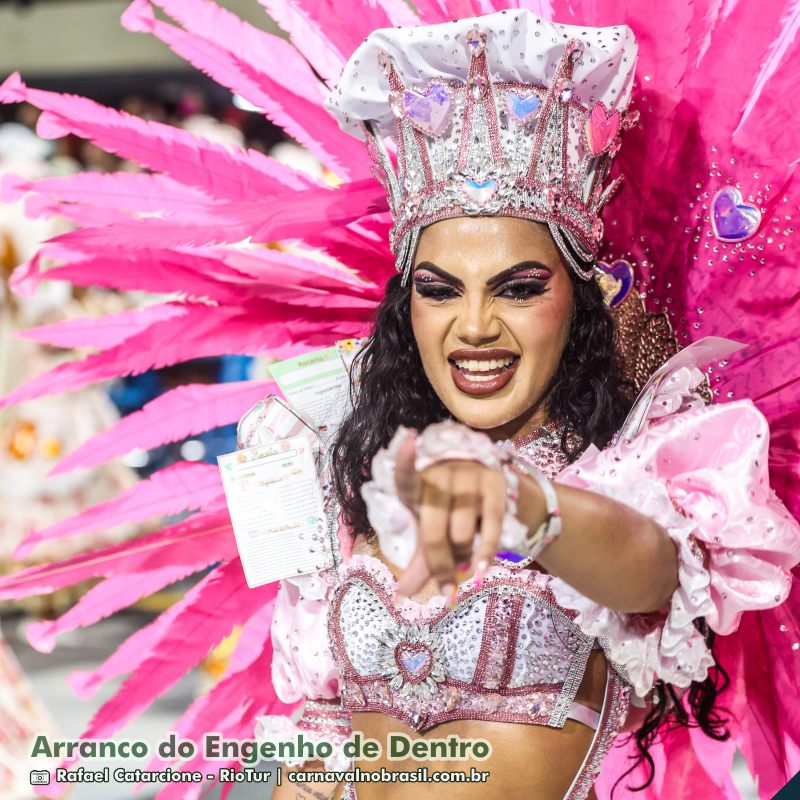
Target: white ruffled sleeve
x=303, y=669
x=702, y=474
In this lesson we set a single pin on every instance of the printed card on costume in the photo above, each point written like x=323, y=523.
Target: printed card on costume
x=317, y=385
x=276, y=508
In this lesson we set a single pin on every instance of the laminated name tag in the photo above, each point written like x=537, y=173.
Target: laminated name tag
x=276, y=507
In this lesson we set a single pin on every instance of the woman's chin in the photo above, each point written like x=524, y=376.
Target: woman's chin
x=483, y=418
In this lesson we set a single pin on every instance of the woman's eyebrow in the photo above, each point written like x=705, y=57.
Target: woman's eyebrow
x=431, y=267
x=507, y=273
x=493, y=281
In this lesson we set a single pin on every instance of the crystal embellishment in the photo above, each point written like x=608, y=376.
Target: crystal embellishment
x=416, y=660
x=732, y=219
x=429, y=111
x=602, y=129
x=411, y=655
x=476, y=41
x=477, y=87
x=480, y=192
x=524, y=108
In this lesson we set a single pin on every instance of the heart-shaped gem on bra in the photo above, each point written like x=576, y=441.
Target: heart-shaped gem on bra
x=602, y=128
x=523, y=107
x=480, y=192
x=616, y=281
x=414, y=659
x=429, y=111
x=732, y=219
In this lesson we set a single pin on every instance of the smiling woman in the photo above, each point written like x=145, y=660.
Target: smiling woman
x=524, y=566
x=540, y=527
x=489, y=289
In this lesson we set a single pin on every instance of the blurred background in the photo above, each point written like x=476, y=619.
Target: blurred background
x=79, y=46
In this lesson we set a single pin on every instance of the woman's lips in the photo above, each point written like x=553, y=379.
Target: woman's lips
x=498, y=378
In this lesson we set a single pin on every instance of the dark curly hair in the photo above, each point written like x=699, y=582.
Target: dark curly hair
x=587, y=393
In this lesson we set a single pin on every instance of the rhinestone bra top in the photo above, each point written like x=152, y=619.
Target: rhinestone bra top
x=506, y=652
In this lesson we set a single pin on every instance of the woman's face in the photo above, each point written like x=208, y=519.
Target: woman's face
x=491, y=307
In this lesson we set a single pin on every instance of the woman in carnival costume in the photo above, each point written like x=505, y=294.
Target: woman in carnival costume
x=633, y=537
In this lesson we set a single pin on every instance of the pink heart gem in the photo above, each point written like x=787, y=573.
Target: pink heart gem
x=415, y=660
x=429, y=111
x=602, y=128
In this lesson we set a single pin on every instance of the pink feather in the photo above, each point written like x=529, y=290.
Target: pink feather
x=308, y=37
x=274, y=267
x=109, y=597
x=242, y=685
x=128, y=656
x=129, y=191
x=208, y=533
x=340, y=30
x=225, y=174
x=103, y=333
x=177, y=488
x=202, y=331
x=206, y=615
x=230, y=276
x=320, y=43
x=284, y=217
x=154, y=270
x=244, y=58
x=179, y=413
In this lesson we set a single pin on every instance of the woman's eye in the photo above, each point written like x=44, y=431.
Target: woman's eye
x=434, y=291
x=523, y=290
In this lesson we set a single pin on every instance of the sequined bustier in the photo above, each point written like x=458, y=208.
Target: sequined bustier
x=506, y=652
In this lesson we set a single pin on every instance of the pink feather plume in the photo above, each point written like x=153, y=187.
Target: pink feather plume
x=173, y=416
x=180, y=487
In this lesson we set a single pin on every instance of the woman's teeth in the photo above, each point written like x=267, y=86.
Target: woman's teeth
x=472, y=365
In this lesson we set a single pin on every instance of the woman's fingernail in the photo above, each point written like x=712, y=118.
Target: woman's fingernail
x=463, y=566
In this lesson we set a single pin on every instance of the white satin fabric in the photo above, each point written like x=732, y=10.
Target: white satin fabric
x=701, y=474
x=521, y=47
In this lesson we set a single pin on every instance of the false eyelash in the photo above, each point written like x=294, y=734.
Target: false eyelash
x=528, y=289
x=434, y=291
x=439, y=291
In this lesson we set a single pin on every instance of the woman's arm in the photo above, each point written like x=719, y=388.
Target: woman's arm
x=608, y=551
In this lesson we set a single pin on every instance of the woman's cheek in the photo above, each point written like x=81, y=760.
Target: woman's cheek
x=427, y=336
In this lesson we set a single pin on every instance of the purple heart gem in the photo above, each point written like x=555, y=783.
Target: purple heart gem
x=416, y=660
x=616, y=281
x=732, y=219
x=429, y=111
x=522, y=107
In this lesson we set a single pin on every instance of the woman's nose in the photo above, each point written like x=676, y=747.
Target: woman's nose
x=477, y=323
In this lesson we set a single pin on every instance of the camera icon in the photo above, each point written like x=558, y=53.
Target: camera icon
x=40, y=777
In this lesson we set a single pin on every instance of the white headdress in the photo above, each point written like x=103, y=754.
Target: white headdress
x=506, y=114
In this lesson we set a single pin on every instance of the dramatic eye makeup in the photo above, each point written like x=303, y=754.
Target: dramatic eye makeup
x=519, y=283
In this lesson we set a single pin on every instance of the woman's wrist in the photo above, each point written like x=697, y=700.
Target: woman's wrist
x=537, y=510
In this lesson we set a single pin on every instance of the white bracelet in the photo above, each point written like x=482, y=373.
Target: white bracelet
x=549, y=530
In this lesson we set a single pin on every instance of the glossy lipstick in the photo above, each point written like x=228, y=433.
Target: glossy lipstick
x=480, y=382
